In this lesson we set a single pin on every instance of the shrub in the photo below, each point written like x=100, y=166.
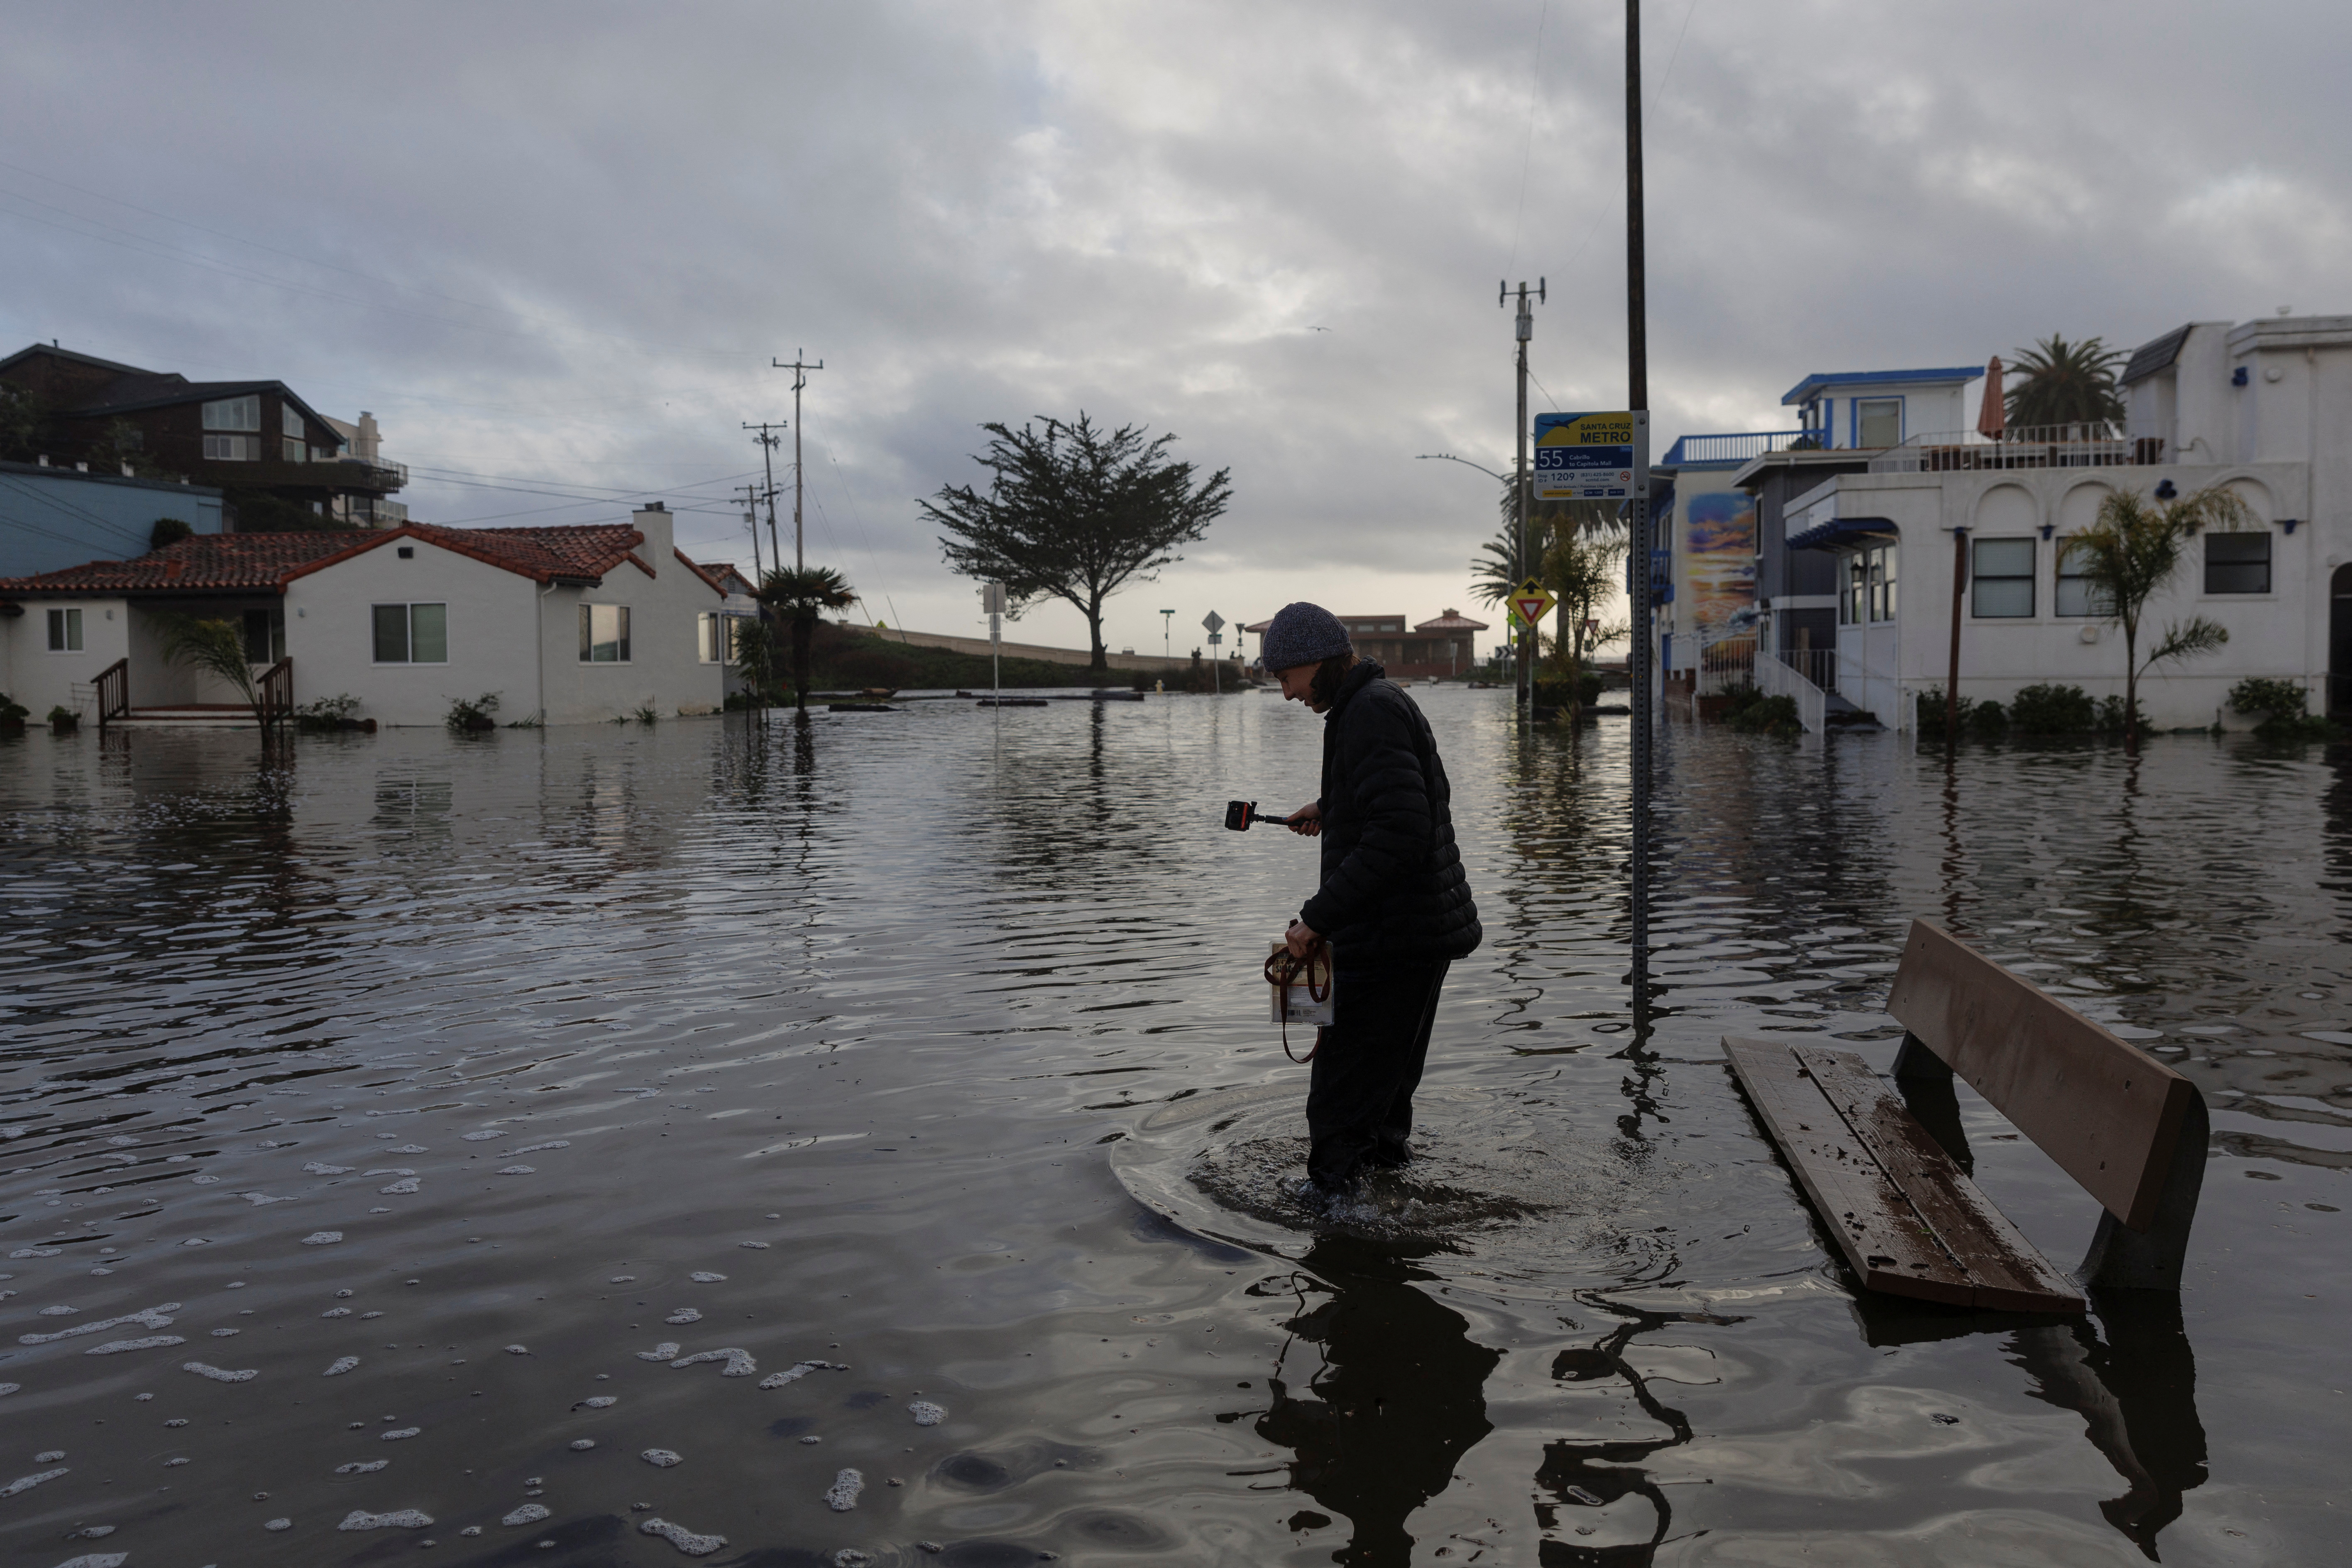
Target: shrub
x=11, y=711
x=168, y=531
x=1986, y=721
x=61, y=714
x=2054, y=710
x=465, y=715
x=1931, y=712
x=2282, y=705
x=2110, y=717
x=1762, y=715
x=325, y=712
x=646, y=715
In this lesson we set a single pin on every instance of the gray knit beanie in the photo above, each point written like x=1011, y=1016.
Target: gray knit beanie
x=1302, y=634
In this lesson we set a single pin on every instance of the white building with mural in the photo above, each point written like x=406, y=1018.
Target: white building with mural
x=2263, y=409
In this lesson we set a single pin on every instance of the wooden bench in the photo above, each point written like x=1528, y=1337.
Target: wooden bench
x=1897, y=1197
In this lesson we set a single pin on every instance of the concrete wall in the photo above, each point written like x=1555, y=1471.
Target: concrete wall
x=331, y=634
x=51, y=518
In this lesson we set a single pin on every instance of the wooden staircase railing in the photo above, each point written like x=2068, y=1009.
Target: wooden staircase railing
x=114, y=692
x=277, y=693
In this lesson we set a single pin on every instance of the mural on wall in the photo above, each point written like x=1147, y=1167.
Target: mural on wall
x=1721, y=570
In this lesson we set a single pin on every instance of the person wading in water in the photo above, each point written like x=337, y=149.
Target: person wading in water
x=1394, y=906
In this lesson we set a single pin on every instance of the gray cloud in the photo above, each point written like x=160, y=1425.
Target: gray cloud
x=557, y=246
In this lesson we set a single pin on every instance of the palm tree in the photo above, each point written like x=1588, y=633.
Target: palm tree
x=214, y=648
x=2065, y=383
x=2134, y=548
x=798, y=597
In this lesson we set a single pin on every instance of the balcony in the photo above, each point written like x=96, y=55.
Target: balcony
x=2027, y=446
x=1733, y=448
x=330, y=476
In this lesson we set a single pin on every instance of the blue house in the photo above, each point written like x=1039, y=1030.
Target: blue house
x=53, y=518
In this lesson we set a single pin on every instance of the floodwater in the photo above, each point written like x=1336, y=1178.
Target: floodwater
x=576, y=1146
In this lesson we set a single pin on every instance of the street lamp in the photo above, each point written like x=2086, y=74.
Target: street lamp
x=1167, y=649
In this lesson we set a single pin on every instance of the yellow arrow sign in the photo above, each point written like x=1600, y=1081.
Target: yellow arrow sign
x=1532, y=602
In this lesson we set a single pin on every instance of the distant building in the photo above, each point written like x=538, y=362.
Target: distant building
x=54, y=517
x=723, y=628
x=1433, y=650
x=572, y=625
x=247, y=438
x=2263, y=409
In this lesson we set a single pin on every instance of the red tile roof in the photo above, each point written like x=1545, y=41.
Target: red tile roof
x=266, y=562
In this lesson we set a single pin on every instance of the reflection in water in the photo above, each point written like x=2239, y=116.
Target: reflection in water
x=1597, y=1474
x=1395, y=1405
x=2137, y=1393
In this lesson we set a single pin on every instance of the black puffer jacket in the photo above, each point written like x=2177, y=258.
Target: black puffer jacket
x=1393, y=890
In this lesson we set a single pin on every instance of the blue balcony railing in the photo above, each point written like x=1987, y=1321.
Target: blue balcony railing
x=1735, y=448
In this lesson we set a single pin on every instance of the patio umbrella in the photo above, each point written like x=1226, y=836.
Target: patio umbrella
x=1994, y=417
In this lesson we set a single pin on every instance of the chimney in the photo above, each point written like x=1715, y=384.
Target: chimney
x=364, y=440
x=653, y=521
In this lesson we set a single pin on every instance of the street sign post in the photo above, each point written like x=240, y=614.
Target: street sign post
x=1590, y=457
x=1214, y=623
x=993, y=599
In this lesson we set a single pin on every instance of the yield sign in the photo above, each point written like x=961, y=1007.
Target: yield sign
x=1532, y=602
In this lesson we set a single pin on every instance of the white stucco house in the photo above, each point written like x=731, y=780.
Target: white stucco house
x=572, y=625
x=2264, y=409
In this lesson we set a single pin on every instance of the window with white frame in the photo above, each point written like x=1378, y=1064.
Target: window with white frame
x=2238, y=563
x=232, y=448
x=2003, y=573
x=411, y=633
x=234, y=414
x=1878, y=422
x=1867, y=594
x=2078, y=594
x=65, y=631
x=718, y=637
x=603, y=634
x=1881, y=558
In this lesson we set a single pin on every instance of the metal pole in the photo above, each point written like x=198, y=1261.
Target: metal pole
x=1525, y=329
x=1952, y=678
x=800, y=368
x=1637, y=367
x=768, y=464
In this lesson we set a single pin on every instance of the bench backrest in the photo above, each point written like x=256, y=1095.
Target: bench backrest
x=2104, y=1111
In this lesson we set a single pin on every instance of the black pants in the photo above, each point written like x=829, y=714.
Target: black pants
x=1359, y=1098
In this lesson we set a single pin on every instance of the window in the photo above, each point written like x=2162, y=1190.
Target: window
x=2076, y=595
x=1878, y=422
x=234, y=414
x=265, y=636
x=2238, y=563
x=412, y=634
x=1854, y=594
x=290, y=421
x=293, y=451
x=720, y=636
x=1868, y=591
x=1882, y=581
x=232, y=448
x=2003, y=569
x=603, y=634
x=65, y=631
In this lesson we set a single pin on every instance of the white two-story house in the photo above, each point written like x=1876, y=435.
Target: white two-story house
x=2264, y=409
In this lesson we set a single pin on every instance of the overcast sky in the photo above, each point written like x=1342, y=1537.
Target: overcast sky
x=555, y=247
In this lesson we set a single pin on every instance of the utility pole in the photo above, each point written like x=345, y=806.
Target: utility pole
x=768, y=439
x=1525, y=329
x=751, y=518
x=1167, y=647
x=1637, y=371
x=800, y=379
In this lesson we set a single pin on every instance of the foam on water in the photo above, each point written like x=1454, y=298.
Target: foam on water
x=739, y=1361
x=517, y=1349
x=700, y=1277
x=361, y=1467
x=152, y=1341
x=341, y=1365
x=799, y=1370
x=218, y=1376
x=662, y=1458
x=683, y=1315
x=685, y=1539
x=146, y=1317
x=409, y=1185
x=97, y=1560
x=322, y=1238
x=400, y=1434
x=26, y=1483
x=516, y=1169
x=482, y=1137
x=581, y=1445
x=601, y=1402
x=842, y=1496
x=926, y=1414
x=662, y=1351
x=536, y=1148
x=528, y=1513
x=405, y=1518
x=317, y=1168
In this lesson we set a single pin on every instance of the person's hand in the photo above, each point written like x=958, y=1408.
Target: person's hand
x=1300, y=938
x=1307, y=821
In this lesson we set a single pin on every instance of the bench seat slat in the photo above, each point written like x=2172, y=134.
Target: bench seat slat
x=2009, y=1273
x=1882, y=1237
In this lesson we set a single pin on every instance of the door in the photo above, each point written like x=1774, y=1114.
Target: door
x=2339, y=642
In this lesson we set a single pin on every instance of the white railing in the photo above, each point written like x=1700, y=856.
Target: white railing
x=1774, y=679
x=1725, y=665
x=2086, y=446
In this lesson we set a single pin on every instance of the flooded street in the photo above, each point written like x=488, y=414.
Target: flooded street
x=576, y=1145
